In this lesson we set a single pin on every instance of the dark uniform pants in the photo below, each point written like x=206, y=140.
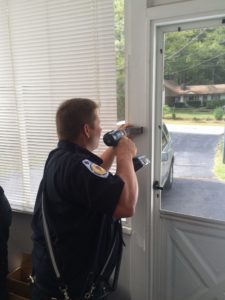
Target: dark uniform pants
x=3, y=267
x=5, y=220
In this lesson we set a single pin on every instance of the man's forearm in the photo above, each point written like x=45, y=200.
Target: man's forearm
x=129, y=195
x=108, y=157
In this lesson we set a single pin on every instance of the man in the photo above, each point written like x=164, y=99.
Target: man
x=5, y=222
x=78, y=191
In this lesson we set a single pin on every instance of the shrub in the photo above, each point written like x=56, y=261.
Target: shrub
x=194, y=103
x=166, y=110
x=218, y=113
x=211, y=104
x=180, y=105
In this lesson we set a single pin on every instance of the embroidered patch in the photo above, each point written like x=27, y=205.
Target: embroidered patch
x=95, y=169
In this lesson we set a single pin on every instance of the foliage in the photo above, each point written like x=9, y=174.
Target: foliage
x=211, y=104
x=195, y=57
x=194, y=103
x=192, y=57
x=166, y=110
x=219, y=166
x=120, y=57
x=218, y=113
x=179, y=104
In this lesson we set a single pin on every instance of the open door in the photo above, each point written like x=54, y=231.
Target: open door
x=189, y=158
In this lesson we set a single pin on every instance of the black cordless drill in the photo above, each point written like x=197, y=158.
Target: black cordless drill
x=112, y=138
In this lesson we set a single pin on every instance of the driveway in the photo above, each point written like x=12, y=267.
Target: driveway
x=196, y=191
x=194, y=154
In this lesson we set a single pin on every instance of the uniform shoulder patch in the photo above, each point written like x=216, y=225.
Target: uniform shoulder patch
x=95, y=169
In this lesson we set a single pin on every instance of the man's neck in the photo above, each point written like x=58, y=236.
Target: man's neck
x=83, y=142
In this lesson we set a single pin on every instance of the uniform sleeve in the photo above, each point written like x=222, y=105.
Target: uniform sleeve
x=95, y=188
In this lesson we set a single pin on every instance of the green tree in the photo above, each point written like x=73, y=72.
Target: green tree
x=196, y=56
x=120, y=57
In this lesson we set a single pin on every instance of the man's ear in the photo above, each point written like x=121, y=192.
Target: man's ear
x=86, y=130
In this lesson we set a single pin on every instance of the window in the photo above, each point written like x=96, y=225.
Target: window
x=194, y=60
x=120, y=57
x=50, y=50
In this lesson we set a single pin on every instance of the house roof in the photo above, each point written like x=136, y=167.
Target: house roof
x=195, y=89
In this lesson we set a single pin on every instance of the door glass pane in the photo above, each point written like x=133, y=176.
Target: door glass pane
x=193, y=159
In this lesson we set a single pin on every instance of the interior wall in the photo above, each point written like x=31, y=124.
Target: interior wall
x=20, y=238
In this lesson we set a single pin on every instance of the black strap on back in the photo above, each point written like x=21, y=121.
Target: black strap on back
x=110, y=265
x=63, y=289
x=62, y=286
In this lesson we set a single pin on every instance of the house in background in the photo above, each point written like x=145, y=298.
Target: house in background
x=184, y=93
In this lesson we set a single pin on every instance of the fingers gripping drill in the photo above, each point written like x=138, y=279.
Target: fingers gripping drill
x=112, y=138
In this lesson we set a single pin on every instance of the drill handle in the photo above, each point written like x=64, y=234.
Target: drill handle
x=140, y=161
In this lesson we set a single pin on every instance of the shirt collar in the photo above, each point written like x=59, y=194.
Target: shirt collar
x=70, y=146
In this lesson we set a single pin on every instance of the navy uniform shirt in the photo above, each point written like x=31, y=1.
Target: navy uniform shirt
x=5, y=215
x=5, y=222
x=78, y=192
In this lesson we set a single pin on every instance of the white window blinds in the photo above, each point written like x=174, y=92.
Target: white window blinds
x=50, y=51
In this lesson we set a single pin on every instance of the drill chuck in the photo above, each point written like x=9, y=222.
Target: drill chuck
x=112, y=138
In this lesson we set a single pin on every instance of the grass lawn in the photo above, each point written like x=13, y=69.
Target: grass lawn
x=194, y=122
x=219, y=166
x=193, y=116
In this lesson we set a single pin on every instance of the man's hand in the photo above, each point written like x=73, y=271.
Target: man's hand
x=125, y=147
x=128, y=132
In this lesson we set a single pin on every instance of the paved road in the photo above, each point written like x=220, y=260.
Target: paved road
x=194, y=154
x=195, y=191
